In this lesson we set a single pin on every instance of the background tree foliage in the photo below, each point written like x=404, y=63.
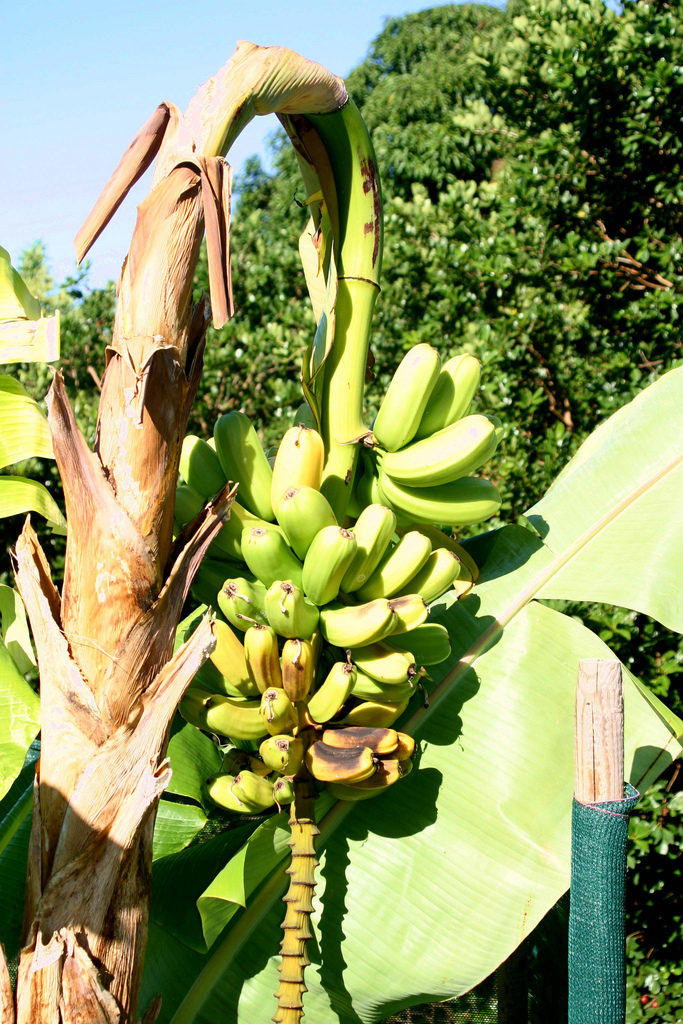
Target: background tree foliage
x=531, y=168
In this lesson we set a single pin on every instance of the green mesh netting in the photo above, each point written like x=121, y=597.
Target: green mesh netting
x=597, y=983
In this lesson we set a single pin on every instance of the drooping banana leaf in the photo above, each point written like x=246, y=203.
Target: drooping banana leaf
x=25, y=335
x=19, y=494
x=425, y=890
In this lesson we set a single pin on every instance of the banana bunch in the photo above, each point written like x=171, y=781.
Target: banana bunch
x=427, y=447
x=322, y=637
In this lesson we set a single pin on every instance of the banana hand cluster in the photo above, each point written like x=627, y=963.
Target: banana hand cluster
x=427, y=448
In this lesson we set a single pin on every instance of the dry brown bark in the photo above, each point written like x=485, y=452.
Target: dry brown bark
x=109, y=682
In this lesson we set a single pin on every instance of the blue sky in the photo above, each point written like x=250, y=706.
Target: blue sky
x=78, y=79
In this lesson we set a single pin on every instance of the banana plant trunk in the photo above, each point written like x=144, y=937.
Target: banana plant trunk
x=109, y=682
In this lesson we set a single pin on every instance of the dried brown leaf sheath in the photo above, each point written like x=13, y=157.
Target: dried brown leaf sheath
x=109, y=684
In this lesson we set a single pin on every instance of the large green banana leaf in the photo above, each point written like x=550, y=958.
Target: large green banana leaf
x=424, y=891
x=25, y=335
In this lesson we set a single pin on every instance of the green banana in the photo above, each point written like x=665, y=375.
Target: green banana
x=298, y=463
x=438, y=573
x=221, y=790
x=262, y=657
x=373, y=530
x=242, y=601
x=471, y=499
x=406, y=397
x=298, y=669
x=289, y=611
x=282, y=753
x=228, y=542
x=199, y=467
x=238, y=719
x=381, y=741
x=366, y=490
x=327, y=559
x=302, y=512
x=209, y=580
x=253, y=790
x=398, y=566
x=339, y=764
x=228, y=656
x=454, y=452
x=235, y=760
x=356, y=625
x=333, y=692
x=429, y=644
x=452, y=396
x=243, y=460
x=410, y=611
x=269, y=556
x=277, y=712
x=188, y=504
x=283, y=791
x=378, y=713
x=367, y=688
x=384, y=664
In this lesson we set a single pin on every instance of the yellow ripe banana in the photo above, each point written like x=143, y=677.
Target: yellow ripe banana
x=373, y=530
x=384, y=664
x=298, y=669
x=333, y=692
x=410, y=611
x=302, y=512
x=406, y=397
x=375, y=712
x=269, y=556
x=367, y=688
x=458, y=450
x=298, y=463
x=228, y=657
x=397, y=567
x=327, y=559
x=262, y=657
x=199, y=467
x=452, y=396
x=282, y=753
x=348, y=626
x=289, y=611
x=237, y=719
x=221, y=790
x=382, y=741
x=243, y=460
x=388, y=772
x=472, y=499
x=339, y=764
x=440, y=570
x=253, y=790
x=242, y=602
x=406, y=747
x=277, y=712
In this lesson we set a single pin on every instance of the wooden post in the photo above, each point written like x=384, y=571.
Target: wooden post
x=599, y=737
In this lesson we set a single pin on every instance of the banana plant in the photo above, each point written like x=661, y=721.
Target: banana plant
x=473, y=846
